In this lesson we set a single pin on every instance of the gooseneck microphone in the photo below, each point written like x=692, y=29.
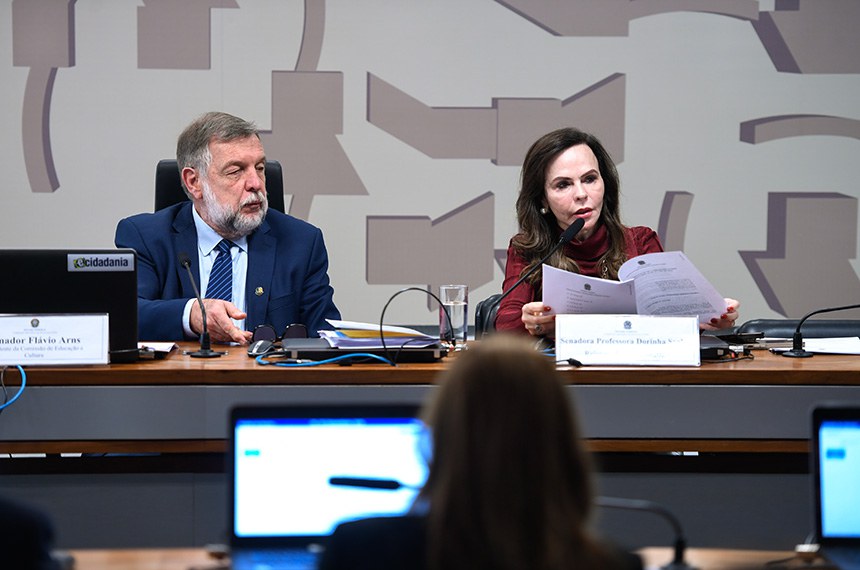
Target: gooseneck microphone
x=680, y=544
x=205, y=345
x=565, y=237
x=797, y=350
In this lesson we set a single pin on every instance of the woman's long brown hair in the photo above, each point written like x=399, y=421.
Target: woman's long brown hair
x=539, y=232
x=509, y=484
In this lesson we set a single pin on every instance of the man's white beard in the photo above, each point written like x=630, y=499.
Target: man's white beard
x=232, y=223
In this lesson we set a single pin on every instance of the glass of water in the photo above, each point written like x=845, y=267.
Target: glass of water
x=455, y=301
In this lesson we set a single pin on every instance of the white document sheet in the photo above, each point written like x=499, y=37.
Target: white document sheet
x=839, y=345
x=665, y=283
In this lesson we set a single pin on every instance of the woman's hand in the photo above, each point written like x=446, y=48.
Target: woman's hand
x=537, y=320
x=726, y=320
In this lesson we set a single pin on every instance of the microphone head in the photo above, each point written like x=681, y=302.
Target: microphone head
x=184, y=260
x=571, y=230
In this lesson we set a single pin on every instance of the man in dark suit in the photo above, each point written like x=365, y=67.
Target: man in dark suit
x=278, y=264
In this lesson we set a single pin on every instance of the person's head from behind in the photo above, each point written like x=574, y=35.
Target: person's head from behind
x=222, y=166
x=508, y=479
x=567, y=174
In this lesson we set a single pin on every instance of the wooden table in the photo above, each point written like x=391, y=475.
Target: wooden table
x=183, y=559
x=237, y=367
x=180, y=404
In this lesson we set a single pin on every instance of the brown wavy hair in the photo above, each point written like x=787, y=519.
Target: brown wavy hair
x=539, y=232
x=509, y=485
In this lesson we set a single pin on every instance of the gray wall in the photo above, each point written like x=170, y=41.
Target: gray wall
x=401, y=124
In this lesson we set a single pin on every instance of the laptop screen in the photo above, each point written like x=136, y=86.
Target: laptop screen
x=299, y=471
x=837, y=473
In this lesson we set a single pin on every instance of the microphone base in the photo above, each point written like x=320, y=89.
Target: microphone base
x=797, y=353
x=204, y=353
x=678, y=566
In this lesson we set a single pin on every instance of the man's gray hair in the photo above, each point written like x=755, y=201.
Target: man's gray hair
x=192, y=148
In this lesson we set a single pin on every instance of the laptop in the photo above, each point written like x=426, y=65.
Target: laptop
x=320, y=349
x=295, y=472
x=58, y=281
x=835, y=467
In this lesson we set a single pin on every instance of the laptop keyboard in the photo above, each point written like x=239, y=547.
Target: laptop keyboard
x=275, y=560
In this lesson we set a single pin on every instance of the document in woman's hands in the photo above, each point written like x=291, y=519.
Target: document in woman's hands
x=665, y=283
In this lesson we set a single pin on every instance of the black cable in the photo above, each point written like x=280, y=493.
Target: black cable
x=296, y=362
x=734, y=357
x=450, y=326
x=400, y=348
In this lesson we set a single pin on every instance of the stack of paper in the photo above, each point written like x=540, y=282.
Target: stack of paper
x=351, y=334
x=836, y=345
x=664, y=283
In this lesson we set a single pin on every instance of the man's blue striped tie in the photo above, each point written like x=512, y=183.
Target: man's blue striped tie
x=221, y=277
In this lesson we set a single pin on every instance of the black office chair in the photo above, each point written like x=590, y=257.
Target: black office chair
x=818, y=328
x=485, y=315
x=168, y=185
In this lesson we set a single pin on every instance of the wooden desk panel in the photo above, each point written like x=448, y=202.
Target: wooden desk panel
x=180, y=404
x=196, y=558
x=237, y=368
x=144, y=559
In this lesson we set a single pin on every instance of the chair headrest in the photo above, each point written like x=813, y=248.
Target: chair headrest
x=818, y=328
x=169, y=191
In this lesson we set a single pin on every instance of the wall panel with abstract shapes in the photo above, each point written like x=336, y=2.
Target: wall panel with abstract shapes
x=401, y=125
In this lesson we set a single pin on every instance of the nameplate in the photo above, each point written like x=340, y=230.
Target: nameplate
x=35, y=340
x=627, y=340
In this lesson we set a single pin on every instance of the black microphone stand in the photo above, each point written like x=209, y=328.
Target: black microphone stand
x=205, y=350
x=797, y=350
x=680, y=544
x=567, y=235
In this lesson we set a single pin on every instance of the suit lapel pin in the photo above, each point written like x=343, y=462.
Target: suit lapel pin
x=258, y=291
